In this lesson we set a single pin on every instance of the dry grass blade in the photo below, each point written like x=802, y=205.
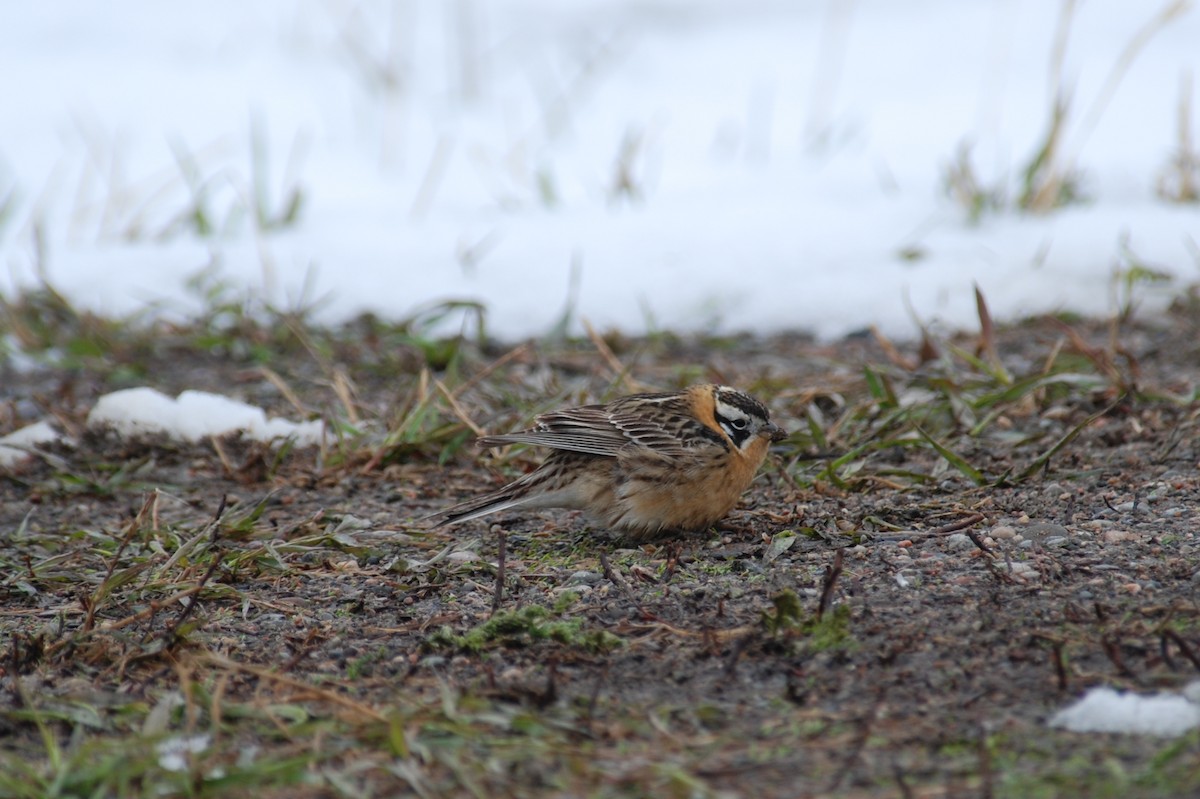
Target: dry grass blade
x=293, y=399
x=892, y=353
x=305, y=688
x=619, y=370
x=987, y=336
x=457, y=408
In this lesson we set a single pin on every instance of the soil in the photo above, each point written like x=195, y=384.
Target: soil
x=869, y=635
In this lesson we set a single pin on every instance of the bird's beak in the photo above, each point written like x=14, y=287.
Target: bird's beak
x=775, y=432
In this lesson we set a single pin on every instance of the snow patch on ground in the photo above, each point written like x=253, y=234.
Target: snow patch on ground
x=194, y=415
x=15, y=446
x=1104, y=710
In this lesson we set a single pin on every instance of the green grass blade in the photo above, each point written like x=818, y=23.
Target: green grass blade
x=954, y=459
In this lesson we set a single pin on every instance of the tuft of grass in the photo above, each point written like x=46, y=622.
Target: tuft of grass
x=524, y=627
x=1050, y=178
x=958, y=402
x=819, y=632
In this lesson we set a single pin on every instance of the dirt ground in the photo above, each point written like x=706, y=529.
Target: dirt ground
x=887, y=628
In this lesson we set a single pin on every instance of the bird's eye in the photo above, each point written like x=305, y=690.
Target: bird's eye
x=738, y=424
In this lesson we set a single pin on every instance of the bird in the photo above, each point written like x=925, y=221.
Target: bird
x=644, y=465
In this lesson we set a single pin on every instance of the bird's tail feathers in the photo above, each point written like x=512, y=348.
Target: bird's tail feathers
x=515, y=495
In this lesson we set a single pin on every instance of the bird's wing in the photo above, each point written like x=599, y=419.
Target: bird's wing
x=592, y=429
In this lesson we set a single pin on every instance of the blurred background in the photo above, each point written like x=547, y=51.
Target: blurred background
x=643, y=165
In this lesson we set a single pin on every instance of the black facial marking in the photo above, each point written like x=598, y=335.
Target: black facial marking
x=743, y=402
x=713, y=436
x=737, y=429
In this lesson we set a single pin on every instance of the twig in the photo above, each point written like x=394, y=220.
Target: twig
x=738, y=648
x=898, y=775
x=1060, y=665
x=1113, y=651
x=977, y=541
x=1183, y=645
x=986, y=775
x=857, y=745
x=832, y=573
x=594, y=697
x=502, y=542
x=954, y=527
x=614, y=576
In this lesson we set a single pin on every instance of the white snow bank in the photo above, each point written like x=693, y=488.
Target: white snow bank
x=1105, y=710
x=705, y=165
x=194, y=415
x=14, y=446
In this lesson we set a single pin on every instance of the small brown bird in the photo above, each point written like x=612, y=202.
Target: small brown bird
x=642, y=464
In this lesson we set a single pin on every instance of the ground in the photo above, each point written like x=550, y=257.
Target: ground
x=961, y=535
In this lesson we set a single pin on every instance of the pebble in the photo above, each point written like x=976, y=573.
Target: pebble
x=1045, y=530
x=959, y=541
x=1023, y=570
x=1117, y=536
x=1056, y=541
x=1002, y=532
x=584, y=578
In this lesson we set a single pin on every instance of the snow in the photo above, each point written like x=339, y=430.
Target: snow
x=194, y=415
x=781, y=157
x=16, y=445
x=1104, y=710
x=173, y=752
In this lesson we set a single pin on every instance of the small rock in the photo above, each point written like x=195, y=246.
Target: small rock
x=1117, y=536
x=1003, y=532
x=584, y=578
x=959, y=541
x=1024, y=571
x=1056, y=541
x=1044, y=530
